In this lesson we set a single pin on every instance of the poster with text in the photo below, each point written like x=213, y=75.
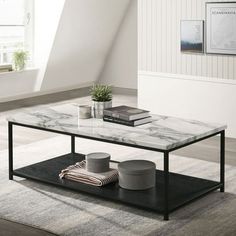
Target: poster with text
x=221, y=28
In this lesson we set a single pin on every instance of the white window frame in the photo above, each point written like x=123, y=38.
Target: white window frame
x=28, y=31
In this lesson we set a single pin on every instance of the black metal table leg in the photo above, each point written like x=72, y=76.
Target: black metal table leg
x=166, y=185
x=10, y=150
x=222, y=160
x=72, y=144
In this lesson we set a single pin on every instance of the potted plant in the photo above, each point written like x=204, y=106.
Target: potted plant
x=102, y=98
x=19, y=59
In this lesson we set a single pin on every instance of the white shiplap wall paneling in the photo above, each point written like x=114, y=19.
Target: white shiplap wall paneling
x=159, y=40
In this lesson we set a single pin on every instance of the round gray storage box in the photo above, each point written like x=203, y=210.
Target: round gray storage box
x=97, y=162
x=137, y=174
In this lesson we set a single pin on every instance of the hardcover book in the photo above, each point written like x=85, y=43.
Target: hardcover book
x=126, y=113
x=128, y=122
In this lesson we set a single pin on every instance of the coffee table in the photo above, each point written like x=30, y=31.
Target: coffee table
x=165, y=134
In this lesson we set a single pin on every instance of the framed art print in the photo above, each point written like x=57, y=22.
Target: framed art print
x=192, y=36
x=221, y=28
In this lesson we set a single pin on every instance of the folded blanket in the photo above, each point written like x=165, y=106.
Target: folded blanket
x=79, y=173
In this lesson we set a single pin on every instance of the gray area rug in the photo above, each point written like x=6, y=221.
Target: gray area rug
x=68, y=213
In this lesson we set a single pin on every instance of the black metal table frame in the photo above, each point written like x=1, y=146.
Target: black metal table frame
x=221, y=185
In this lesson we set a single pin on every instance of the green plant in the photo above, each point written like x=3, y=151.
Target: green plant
x=19, y=59
x=101, y=93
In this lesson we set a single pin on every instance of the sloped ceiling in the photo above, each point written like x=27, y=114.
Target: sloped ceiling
x=121, y=66
x=84, y=37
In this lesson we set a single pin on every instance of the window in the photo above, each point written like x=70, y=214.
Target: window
x=16, y=29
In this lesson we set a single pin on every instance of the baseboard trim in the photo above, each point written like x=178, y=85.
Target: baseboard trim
x=57, y=97
x=125, y=91
x=45, y=99
x=161, y=75
x=44, y=92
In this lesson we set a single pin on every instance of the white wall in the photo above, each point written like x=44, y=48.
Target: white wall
x=159, y=40
x=201, y=87
x=45, y=25
x=27, y=83
x=16, y=84
x=121, y=67
x=69, y=55
x=192, y=97
x=85, y=35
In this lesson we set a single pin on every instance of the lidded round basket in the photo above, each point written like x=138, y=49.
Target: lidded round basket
x=97, y=162
x=137, y=174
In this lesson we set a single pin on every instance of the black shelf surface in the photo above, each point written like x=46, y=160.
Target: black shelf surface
x=182, y=189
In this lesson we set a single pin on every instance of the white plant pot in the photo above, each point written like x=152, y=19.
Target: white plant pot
x=98, y=108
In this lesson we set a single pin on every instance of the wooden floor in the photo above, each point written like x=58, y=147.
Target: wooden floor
x=205, y=150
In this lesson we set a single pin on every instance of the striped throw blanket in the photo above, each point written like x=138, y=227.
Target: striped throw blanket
x=79, y=173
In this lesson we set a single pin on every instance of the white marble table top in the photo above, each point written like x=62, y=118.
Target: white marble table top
x=163, y=133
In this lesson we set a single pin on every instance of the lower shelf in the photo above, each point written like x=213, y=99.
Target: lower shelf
x=182, y=189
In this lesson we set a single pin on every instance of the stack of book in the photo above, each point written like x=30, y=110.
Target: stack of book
x=126, y=115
